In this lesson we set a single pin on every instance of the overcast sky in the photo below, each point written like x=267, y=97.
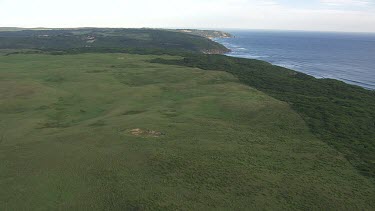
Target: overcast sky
x=321, y=15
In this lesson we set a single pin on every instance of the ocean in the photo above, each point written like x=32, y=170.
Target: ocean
x=349, y=57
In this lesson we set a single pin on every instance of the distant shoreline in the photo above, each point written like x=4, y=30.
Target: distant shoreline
x=240, y=50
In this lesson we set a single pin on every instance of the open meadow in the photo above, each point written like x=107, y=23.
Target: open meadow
x=115, y=132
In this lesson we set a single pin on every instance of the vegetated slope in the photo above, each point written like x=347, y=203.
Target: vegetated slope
x=342, y=115
x=62, y=39
x=113, y=131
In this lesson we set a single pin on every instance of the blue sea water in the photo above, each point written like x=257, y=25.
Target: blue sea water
x=349, y=57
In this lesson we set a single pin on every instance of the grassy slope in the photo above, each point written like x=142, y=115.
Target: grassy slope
x=340, y=114
x=65, y=140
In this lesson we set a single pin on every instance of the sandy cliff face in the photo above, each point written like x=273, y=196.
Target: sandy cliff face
x=216, y=51
x=211, y=34
x=219, y=34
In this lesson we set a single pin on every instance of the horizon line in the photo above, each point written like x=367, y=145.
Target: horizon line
x=199, y=28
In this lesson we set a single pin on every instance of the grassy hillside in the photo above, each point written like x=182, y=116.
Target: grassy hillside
x=114, y=131
x=62, y=39
x=340, y=114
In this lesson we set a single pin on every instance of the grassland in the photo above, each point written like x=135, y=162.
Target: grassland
x=115, y=132
x=340, y=114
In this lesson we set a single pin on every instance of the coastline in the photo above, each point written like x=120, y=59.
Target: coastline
x=313, y=66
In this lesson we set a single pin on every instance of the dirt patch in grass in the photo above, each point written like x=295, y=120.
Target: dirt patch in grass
x=149, y=133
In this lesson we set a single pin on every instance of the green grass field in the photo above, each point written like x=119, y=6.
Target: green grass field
x=115, y=132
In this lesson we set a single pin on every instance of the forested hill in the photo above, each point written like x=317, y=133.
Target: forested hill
x=62, y=39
